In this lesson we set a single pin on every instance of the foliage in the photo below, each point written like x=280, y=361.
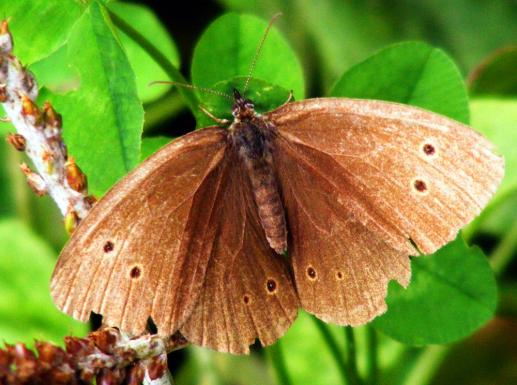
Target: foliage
x=96, y=72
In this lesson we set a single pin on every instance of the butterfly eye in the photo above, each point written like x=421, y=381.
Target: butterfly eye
x=311, y=273
x=339, y=275
x=108, y=247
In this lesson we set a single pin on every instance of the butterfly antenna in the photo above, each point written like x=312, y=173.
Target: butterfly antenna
x=259, y=48
x=192, y=87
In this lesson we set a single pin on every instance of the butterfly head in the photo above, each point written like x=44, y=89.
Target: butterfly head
x=242, y=108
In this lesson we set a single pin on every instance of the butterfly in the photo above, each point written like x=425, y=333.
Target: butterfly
x=194, y=237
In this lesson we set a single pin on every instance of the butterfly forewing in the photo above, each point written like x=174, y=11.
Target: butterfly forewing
x=363, y=181
x=141, y=251
x=248, y=292
x=410, y=173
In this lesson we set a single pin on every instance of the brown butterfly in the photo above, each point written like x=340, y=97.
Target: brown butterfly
x=193, y=238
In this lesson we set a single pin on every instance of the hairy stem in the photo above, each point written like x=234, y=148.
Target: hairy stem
x=426, y=365
x=162, y=109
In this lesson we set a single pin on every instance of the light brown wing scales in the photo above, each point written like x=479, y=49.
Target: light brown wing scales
x=360, y=180
x=141, y=250
x=341, y=267
x=248, y=292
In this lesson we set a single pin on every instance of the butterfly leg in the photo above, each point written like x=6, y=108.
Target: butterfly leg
x=222, y=122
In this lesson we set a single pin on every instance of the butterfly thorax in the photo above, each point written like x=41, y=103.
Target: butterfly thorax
x=252, y=137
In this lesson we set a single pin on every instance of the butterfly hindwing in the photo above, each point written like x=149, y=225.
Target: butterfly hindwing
x=248, y=293
x=341, y=267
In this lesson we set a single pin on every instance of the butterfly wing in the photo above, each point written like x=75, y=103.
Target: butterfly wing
x=248, y=292
x=143, y=249
x=365, y=182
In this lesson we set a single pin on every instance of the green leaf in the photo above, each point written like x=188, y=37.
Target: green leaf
x=495, y=118
x=54, y=72
x=103, y=119
x=497, y=75
x=411, y=73
x=227, y=48
x=339, y=32
x=26, y=310
x=40, y=27
x=334, y=33
x=452, y=293
x=152, y=144
x=146, y=69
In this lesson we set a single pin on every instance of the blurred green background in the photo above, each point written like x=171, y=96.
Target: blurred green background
x=327, y=38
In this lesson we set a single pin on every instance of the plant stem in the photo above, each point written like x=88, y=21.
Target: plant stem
x=334, y=350
x=351, y=356
x=426, y=365
x=505, y=250
x=159, y=58
x=277, y=359
x=372, y=364
x=162, y=109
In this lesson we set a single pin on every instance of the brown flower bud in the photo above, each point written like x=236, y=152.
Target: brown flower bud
x=71, y=221
x=34, y=180
x=29, y=108
x=51, y=117
x=135, y=374
x=4, y=27
x=157, y=367
x=25, y=361
x=91, y=200
x=105, y=339
x=74, y=176
x=3, y=91
x=17, y=141
x=112, y=376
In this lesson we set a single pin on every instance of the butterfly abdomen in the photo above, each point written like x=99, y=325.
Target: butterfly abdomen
x=253, y=144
